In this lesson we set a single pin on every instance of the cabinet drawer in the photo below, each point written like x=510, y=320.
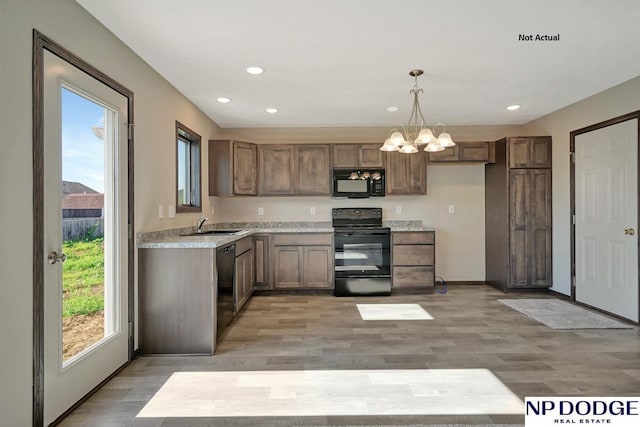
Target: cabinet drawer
x=413, y=255
x=414, y=238
x=303, y=239
x=243, y=245
x=413, y=276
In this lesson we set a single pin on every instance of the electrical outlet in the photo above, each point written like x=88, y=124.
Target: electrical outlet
x=260, y=211
x=452, y=209
x=211, y=211
x=312, y=210
x=398, y=210
x=160, y=211
x=172, y=211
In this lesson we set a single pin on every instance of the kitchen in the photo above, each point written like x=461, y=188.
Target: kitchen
x=459, y=189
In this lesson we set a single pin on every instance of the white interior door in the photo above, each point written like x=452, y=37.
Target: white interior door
x=606, y=203
x=85, y=234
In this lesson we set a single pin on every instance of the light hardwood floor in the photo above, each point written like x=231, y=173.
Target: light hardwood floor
x=471, y=329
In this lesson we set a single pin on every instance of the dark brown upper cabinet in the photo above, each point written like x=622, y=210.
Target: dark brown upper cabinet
x=233, y=168
x=277, y=169
x=358, y=156
x=529, y=152
x=290, y=169
x=312, y=170
x=465, y=152
x=406, y=173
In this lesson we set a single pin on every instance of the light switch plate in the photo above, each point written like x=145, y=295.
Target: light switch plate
x=160, y=211
x=312, y=210
x=398, y=210
x=260, y=211
x=452, y=209
x=172, y=211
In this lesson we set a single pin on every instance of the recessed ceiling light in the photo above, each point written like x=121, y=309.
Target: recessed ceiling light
x=271, y=110
x=392, y=109
x=255, y=70
x=223, y=100
x=513, y=107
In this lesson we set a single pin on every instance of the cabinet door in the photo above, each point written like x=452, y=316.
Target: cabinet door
x=520, y=205
x=396, y=173
x=245, y=169
x=449, y=154
x=288, y=263
x=417, y=173
x=370, y=156
x=474, y=151
x=313, y=170
x=533, y=152
x=317, y=266
x=261, y=261
x=248, y=274
x=345, y=155
x=518, y=152
x=276, y=169
x=540, y=226
x=540, y=152
x=239, y=282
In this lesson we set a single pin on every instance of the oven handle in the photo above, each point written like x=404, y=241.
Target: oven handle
x=363, y=233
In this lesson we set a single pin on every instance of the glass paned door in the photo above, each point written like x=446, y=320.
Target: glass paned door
x=85, y=234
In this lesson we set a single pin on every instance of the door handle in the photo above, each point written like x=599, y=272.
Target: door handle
x=53, y=257
x=629, y=231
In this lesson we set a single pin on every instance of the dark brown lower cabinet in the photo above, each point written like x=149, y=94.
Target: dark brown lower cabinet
x=303, y=260
x=176, y=291
x=243, y=273
x=262, y=259
x=413, y=259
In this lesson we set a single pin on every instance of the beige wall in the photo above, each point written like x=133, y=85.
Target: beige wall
x=157, y=106
x=608, y=104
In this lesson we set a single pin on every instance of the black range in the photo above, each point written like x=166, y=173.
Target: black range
x=362, y=252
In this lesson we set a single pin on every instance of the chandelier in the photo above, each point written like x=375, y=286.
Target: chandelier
x=414, y=134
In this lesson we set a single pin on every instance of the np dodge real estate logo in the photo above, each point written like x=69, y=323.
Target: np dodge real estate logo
x=609, y=411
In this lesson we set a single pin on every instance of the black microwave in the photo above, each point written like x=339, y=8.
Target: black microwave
x=355, y=183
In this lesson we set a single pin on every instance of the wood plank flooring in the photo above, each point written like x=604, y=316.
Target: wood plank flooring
x=471, y=329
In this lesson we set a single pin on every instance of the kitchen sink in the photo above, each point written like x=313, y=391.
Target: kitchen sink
x=214, y=233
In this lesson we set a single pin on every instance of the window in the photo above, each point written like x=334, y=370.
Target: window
x=188, y=170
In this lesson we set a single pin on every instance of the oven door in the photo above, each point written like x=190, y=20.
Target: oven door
x=362, y=253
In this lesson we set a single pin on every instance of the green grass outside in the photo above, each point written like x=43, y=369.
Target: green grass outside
x=83, y=277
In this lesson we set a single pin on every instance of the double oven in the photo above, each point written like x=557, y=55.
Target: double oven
x=362, y=252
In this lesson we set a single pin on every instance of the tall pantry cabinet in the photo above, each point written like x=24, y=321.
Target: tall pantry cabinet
x=518, y=214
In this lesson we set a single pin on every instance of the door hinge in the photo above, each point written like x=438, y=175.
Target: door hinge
x=573, y=281
x=130, y=329
x=130, y=127
x=573, y=156
x=573, y=219
x=130, y=230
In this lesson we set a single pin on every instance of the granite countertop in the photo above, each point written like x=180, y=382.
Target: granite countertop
x=175, y=238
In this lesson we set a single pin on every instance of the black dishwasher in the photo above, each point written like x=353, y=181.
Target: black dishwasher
x=225, y=264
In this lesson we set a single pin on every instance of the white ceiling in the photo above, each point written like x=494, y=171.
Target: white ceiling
x=343, y=62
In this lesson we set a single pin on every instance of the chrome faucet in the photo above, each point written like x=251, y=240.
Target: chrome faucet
x=200, y=223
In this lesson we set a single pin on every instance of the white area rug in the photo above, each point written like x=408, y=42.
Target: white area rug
x=559, y=314
x=393, y=312
x=325, y=392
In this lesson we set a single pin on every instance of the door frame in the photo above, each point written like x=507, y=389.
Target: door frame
x=572, y=184
x=42, y=43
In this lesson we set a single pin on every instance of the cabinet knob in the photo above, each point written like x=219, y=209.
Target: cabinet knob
x=629, y=231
